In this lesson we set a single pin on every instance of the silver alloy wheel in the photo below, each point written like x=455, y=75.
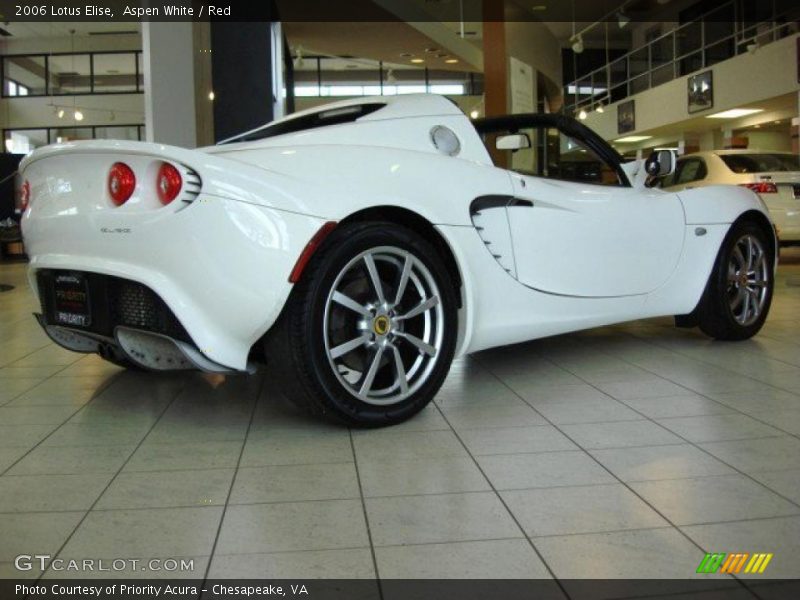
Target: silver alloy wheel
x=748, y=280
x=383, y=325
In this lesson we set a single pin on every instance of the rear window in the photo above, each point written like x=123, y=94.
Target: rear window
x=761, y=163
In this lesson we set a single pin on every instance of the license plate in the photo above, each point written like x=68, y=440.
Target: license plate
x=71, y=300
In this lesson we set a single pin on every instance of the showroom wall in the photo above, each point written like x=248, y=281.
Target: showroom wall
x=98, y=109
x=746, y=79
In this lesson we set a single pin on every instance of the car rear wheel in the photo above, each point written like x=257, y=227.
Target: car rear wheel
x=739, y=292
x=369, y=332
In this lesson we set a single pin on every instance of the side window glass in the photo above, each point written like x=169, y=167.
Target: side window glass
x=555, y=155
x=693, y=170
x=671, y=180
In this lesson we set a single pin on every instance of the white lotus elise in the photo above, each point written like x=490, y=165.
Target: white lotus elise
x=361, y=246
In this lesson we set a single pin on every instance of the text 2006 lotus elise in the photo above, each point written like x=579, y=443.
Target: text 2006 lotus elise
x=362, y=245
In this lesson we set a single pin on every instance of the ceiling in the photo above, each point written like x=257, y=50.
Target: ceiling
x=391, y=42
x=24, y=30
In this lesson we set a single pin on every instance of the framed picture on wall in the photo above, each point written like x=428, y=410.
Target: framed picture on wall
x=626, y=116
x=701, y=92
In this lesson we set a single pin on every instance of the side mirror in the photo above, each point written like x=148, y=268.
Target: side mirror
x=661, y=163
x=517, y=141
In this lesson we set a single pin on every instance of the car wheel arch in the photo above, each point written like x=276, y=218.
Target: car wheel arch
x=420, y=225
x=764, y=223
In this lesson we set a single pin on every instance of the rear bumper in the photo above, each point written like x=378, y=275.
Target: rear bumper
x=220, y=266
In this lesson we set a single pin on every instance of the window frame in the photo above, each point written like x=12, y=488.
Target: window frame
x=703, y=170
x=51, y=137
x=566, y=126
x=138, y=89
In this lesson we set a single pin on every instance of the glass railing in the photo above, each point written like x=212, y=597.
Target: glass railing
x=718, y=35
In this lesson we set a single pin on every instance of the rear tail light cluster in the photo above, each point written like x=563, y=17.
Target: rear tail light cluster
x=122, y=183
x=762, y=187
x=168, y=183
x=24, y=195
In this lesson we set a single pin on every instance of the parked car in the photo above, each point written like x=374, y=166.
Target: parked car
x=362, y=245
x=774, y=176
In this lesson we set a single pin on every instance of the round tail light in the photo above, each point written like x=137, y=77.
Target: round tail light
x=168, y=183
x=25, y=196
x=121, y=183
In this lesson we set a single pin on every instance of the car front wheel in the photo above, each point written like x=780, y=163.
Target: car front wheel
x=370, y=330
x=739, y=292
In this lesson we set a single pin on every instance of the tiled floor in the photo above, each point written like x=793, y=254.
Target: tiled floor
x=579, y=456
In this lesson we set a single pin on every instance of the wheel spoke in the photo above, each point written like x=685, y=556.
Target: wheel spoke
x=751, y=254
x=401, y=286
x=420, y=308
x=737, y=302
x=366, y=386
x=739, y=257
x=376, y=280
x=343, y=349
x=348, y=302
x=745, y=308
x=401, y=370
x=423, y=347
x=756, y=305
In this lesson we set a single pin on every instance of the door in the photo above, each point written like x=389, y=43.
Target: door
x=583, y=232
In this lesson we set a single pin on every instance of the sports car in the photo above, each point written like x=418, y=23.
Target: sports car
x=359, y=247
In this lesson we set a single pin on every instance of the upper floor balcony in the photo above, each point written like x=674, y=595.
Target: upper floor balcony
x=729, y=30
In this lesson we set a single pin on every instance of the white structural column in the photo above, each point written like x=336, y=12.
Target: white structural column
x=169, y=86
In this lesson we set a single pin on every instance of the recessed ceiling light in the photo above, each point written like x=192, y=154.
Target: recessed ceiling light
x=777, y=122
x=451, y=61
x=631, y=139
x=757, y=127
x=538, y=7
x=735, y=113
x=417, y=61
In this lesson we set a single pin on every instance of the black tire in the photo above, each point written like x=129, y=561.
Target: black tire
x=715, y=313
x=296, y=345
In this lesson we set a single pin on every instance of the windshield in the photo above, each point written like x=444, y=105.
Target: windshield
x=761, y=163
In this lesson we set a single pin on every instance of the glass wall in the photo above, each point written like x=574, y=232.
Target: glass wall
x=72, y=74
x=322, y=76
x=24, y=141
x=24, y=76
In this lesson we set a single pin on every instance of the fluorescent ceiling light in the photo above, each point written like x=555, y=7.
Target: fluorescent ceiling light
x=633, y=138
x=586, y=89
x=735, y=113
